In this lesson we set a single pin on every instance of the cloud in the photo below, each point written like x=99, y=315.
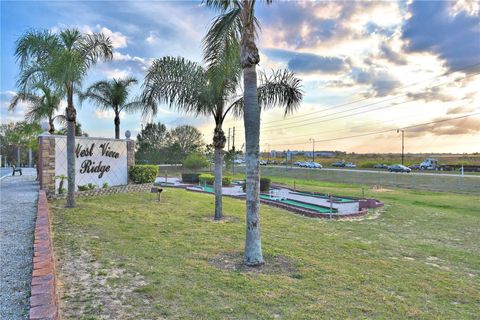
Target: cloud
x=308, y=62
x=115, y=73
x=430, y=94
x=380, y=82
x=18, y=114
x=107, y=114
x=454, y=36
x=117, y=38
x=460, y=109
x=454, y=127
x=152, y=38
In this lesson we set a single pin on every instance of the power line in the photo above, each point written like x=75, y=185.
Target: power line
x=383, y=131
x=398, y=96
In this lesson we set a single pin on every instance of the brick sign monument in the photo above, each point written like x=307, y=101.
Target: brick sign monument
x=98, y=161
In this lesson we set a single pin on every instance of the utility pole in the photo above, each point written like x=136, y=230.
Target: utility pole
x=313, y=151
x=403, y=144
x=228, y=140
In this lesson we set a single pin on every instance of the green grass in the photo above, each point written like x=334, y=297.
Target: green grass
x=417, y=258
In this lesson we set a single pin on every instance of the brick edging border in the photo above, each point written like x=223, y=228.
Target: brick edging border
x=43, y=299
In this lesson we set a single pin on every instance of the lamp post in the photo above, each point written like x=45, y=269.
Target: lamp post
x=403, y=143
x=313, y=153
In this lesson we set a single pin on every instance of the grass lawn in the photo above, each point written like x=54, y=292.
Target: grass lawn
x=126, y=256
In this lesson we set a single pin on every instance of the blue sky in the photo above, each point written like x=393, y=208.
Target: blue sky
x=415, y=61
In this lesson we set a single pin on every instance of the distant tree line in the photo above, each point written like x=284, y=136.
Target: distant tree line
x=156, y=144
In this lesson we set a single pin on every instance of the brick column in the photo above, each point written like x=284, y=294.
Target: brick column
x=46, y=163
x=130, y=155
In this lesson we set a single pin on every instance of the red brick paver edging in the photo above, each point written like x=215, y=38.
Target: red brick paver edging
x=43, y=299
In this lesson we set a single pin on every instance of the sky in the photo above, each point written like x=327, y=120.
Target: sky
x=367, y=68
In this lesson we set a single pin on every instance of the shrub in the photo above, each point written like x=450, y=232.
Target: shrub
x=143, y=173
x=209, y=179
x=195, y=161
x=191, y=177
x=264, y=185
x=86, y=187
x=105, y=185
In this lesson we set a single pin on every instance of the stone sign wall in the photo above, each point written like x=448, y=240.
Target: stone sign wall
x=97, y=160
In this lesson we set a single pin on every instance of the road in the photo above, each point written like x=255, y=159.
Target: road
x=381, y=171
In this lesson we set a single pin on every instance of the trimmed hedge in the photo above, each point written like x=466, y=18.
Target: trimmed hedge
x=143, y=173
x=265, y=184
x=191, y=177
x=209, y=179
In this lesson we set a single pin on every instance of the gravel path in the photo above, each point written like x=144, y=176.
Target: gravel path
x=18, y=196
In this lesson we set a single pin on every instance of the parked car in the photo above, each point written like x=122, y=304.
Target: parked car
x=315, y=165
x=380, y=166
x=350, y=165
x=338, y=164
x=303, y=164
x=296, y=163
x=239, y=161
x=415, y=167
x=263, y=162
x=399, y=168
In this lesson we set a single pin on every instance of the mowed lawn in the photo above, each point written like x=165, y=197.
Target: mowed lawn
x=127, y=256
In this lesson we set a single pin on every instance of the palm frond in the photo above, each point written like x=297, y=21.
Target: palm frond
x=281, y=89
x=35, y=46
x=95, y=47
x=177, y=82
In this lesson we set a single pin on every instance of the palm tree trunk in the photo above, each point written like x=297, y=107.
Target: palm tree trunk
x=117, y=125
x=218, y=159
x=51, y=125
x=71, y=118
x=253, y=242
x=219, y=143
x=249, y=59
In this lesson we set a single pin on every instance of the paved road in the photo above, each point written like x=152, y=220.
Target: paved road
x=384, y=172
x=18, y=196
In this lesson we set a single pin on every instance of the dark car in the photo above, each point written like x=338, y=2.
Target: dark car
x=415, y=167
x=399, y=168
x=338, y=164
x=380, y=166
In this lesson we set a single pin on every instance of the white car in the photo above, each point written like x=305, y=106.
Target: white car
x=263, y=162
x=350, y=165
x=239, y=161
x=315, y=165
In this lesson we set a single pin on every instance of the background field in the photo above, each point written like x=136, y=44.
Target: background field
x=126, y=254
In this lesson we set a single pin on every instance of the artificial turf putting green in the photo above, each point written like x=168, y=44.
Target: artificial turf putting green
x=128, y=256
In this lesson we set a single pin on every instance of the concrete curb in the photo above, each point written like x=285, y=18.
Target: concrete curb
x=43, y=299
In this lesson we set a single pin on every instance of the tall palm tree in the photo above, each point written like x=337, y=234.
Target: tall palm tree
x=64, y=58
x=112, y=95
x=189, y=87
x=237, y=23
x=43, y=103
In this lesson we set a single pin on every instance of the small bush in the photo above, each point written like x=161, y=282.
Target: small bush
x=210, y=180
x=105, y=185
x=86, y=187
x=143, y=173
x=195, y=161
x=191, y=177
x=265, y=184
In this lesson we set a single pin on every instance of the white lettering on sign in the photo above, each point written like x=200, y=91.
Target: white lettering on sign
x=98, y=161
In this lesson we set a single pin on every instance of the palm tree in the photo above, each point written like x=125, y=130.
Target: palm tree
x=189, y=87
x=112, y=95
x=64, y=58
x=237, y=23
x=43, y=104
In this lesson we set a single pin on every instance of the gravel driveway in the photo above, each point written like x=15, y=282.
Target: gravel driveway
x=18, y=196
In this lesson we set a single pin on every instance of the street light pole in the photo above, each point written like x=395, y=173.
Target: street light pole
x=403, y=144
x=313, y=153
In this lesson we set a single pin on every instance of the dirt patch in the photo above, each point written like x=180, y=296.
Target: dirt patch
x=225, y=219
x=377, y=188
x=87, y=289
x=233, y=261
